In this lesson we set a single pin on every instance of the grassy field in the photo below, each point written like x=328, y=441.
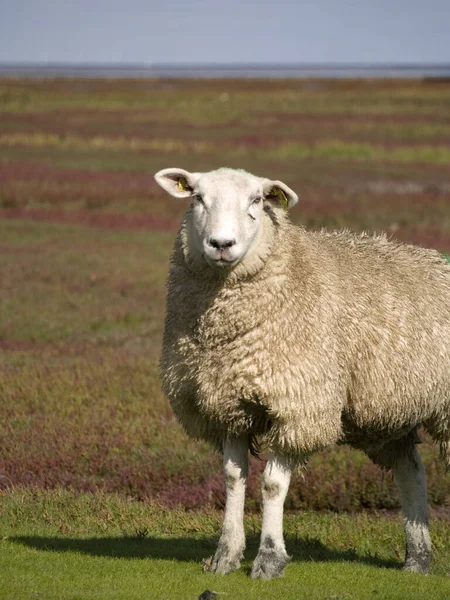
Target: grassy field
x=61, y=545
x=95, y=474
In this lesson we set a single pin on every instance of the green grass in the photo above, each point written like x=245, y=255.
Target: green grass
x=328, y=149
x=69, y=287
x=405, y=132
x=61, y=545
x=201, y=101
x=339, y=150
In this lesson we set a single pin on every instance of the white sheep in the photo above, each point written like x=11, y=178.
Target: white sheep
x=299, y=340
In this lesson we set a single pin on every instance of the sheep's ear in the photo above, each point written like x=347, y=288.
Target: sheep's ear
x=177, y=182
x=279, y=192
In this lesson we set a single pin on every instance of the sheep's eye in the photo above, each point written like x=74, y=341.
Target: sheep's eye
x=257, y=200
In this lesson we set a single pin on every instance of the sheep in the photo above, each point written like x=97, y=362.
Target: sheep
x=297, y=340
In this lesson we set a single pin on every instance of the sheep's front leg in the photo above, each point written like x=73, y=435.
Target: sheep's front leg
x=272, y=556
x=410, y=477
x=232, y=541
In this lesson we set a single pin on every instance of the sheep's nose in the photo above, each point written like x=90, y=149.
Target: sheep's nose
x=221, y=244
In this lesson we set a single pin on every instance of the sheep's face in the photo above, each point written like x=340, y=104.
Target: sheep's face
x=226, y=212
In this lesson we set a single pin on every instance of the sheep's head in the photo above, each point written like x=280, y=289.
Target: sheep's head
x=227, y=210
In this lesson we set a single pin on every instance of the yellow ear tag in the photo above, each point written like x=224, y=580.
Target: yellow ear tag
x=282, y=199
x=182, y=185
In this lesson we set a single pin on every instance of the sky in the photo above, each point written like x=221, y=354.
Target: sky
x=231, y=31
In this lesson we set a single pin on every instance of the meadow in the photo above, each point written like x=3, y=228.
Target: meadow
x=102, y=495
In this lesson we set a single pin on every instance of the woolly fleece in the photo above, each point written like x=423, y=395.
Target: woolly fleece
x=316, y=338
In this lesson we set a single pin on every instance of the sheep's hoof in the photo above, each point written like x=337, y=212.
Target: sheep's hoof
x=224, y=561
x=269, y=563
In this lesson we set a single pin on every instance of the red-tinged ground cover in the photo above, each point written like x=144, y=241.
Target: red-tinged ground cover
x=85, y=240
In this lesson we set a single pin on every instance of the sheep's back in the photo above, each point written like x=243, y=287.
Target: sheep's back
x=395, y=329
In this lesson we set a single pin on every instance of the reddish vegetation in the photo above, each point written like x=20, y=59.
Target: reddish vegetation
x=333, y=482
x=111, y=429
x=80, y=197
x=142, y=183
x=90, y=219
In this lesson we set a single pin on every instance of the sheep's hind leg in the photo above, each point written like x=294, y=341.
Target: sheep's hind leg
x=272, y=556
x=232, y=541
x=409, y=474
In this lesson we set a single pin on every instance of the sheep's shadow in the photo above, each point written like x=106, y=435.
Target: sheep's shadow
x=192, y=549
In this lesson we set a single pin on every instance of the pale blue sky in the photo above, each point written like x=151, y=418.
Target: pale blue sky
x=231, y=31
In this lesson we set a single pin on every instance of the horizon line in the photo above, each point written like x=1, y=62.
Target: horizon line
x=226, y=65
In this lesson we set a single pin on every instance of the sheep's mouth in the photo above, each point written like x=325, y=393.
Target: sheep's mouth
x=221, y=262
